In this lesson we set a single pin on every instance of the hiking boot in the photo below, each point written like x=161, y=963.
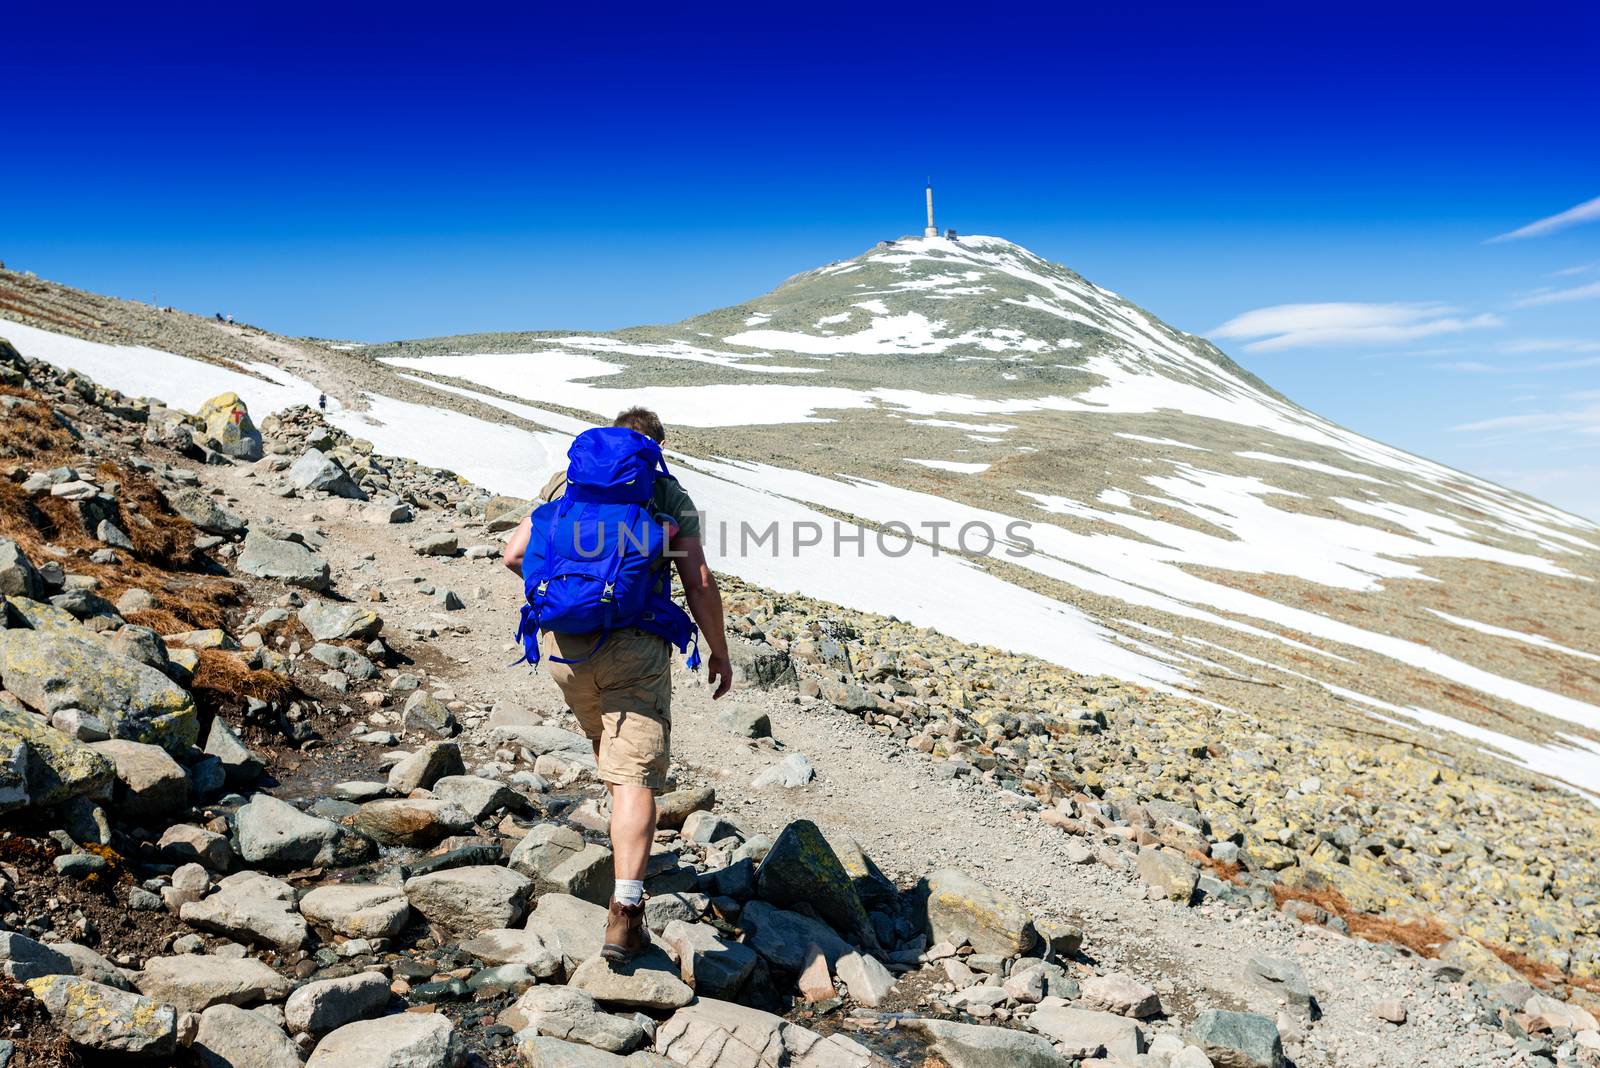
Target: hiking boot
x=625, y=932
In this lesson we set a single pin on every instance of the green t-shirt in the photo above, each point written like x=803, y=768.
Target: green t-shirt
x=668, y=499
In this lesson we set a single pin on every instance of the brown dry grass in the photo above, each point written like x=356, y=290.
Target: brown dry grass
x=1423, y=937
x=224, y=679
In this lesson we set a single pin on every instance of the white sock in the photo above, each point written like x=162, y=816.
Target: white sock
x=629, y=891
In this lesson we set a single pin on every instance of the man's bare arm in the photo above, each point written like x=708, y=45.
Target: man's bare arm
x=705, y=605
x=518, y=545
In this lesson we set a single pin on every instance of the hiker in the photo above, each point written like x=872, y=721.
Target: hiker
x=322, y=401
x=598, y=606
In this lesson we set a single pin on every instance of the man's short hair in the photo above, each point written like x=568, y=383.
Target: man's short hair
x=644, y=421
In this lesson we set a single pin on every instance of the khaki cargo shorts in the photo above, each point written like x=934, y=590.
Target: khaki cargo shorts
x=623, y=699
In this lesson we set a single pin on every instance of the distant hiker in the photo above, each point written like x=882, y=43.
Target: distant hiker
x=598, y=606
x=219, y=317
x=230, y=318
x=322, y=401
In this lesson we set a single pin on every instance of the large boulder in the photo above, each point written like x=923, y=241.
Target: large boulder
x=649, y=981
x=202, y=510
x=430, y=763
x=992, y=922
x=409, y=1040
x=52, y=672
x=408, y=821
x=971, y=1046
x=329, y=621
x=195, y=982
x=231, y=1037
x=358, y=910
x=149, y=782
x=476, y=795
x=40, y=765
x=250, y=907
x=239, y=764
x=226, y=427
x=571, y=926
x=21, y=958
x=721, y=1034
x=317, y=471
x=715, y=966
x=506, y=945
x=1237, y=1039
x=104, y=1018
x=471, y=899
x=329, y=1004
x=802, y=867
x=782, y=936
x=275, y=834
x=288, y=561
x=1088, y=1032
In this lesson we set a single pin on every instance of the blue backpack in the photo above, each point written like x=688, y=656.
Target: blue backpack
x=594, y=562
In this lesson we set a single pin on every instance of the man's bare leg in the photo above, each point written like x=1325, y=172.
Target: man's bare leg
x=633, y=828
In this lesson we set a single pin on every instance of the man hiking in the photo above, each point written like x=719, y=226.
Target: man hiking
x=598, y=606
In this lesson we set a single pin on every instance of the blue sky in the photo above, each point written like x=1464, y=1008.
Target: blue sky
x=1318, y=188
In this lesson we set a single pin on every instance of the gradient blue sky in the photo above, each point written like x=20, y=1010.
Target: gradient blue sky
x=385, y=172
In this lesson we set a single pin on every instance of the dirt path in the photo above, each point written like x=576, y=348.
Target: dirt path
x=906, y=816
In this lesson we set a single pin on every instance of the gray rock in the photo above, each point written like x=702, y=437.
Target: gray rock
x=649, y=981
x=1118, y=993
x=782, y=936
x=149, y=782
x=409, y=1040
x=792, y=772
x=470, y=899
x=329, y=621
x=344, y=659
x=104, y=1018
x=972, y=1046
x=673, y=808
x=802, y=867
x=570, y=925
x=1237, y=1039
x=287, y=561
x=430, y=763
x=250, y=907
x=108, y=533
x=541, y=739
x=40, y=765
x=748, y=722
x=231, y=1037
x=544, y=847
x=1280, y=978
x=18, y=576
x=437, y=545
x=717, y=966
x=505, y=945
x=1088, y=1033
x=142, y=644
x=184, y=843
x=316, y=471
x=425, y=712
x=992, y=922
x=543, y=1051
x=476, y=795
x=329, y=1004
x=595, y=1029
x=241, y=766
x=50, y=672
x=721, y=1034
x=358, y=910
x=869, y=981
x=1174, y=876
x=21, y=958
x=411, y=822
x=587, y=875
x=195, y=982
x=87, y=964
x=201, y=509
x=275, y=834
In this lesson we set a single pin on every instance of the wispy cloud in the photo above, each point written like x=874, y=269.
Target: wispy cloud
x=1568, y=272
x=1477, y=367
x=1551, y=344
x=1583, y=417
x=1588, y=211
x=1590, y=291
x=1289, y=326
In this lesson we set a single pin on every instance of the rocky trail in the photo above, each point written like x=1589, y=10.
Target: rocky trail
x=272, y=793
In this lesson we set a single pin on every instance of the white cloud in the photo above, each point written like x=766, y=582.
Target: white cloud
x=1562, y=296
x=1551, y=344
x=1567, y=272
x=1588, y=211
x=1288, y=326
x=1474, y=366
x=1584, y=418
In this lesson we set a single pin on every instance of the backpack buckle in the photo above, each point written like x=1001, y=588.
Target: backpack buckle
x=605, y=594
x=544, y=585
